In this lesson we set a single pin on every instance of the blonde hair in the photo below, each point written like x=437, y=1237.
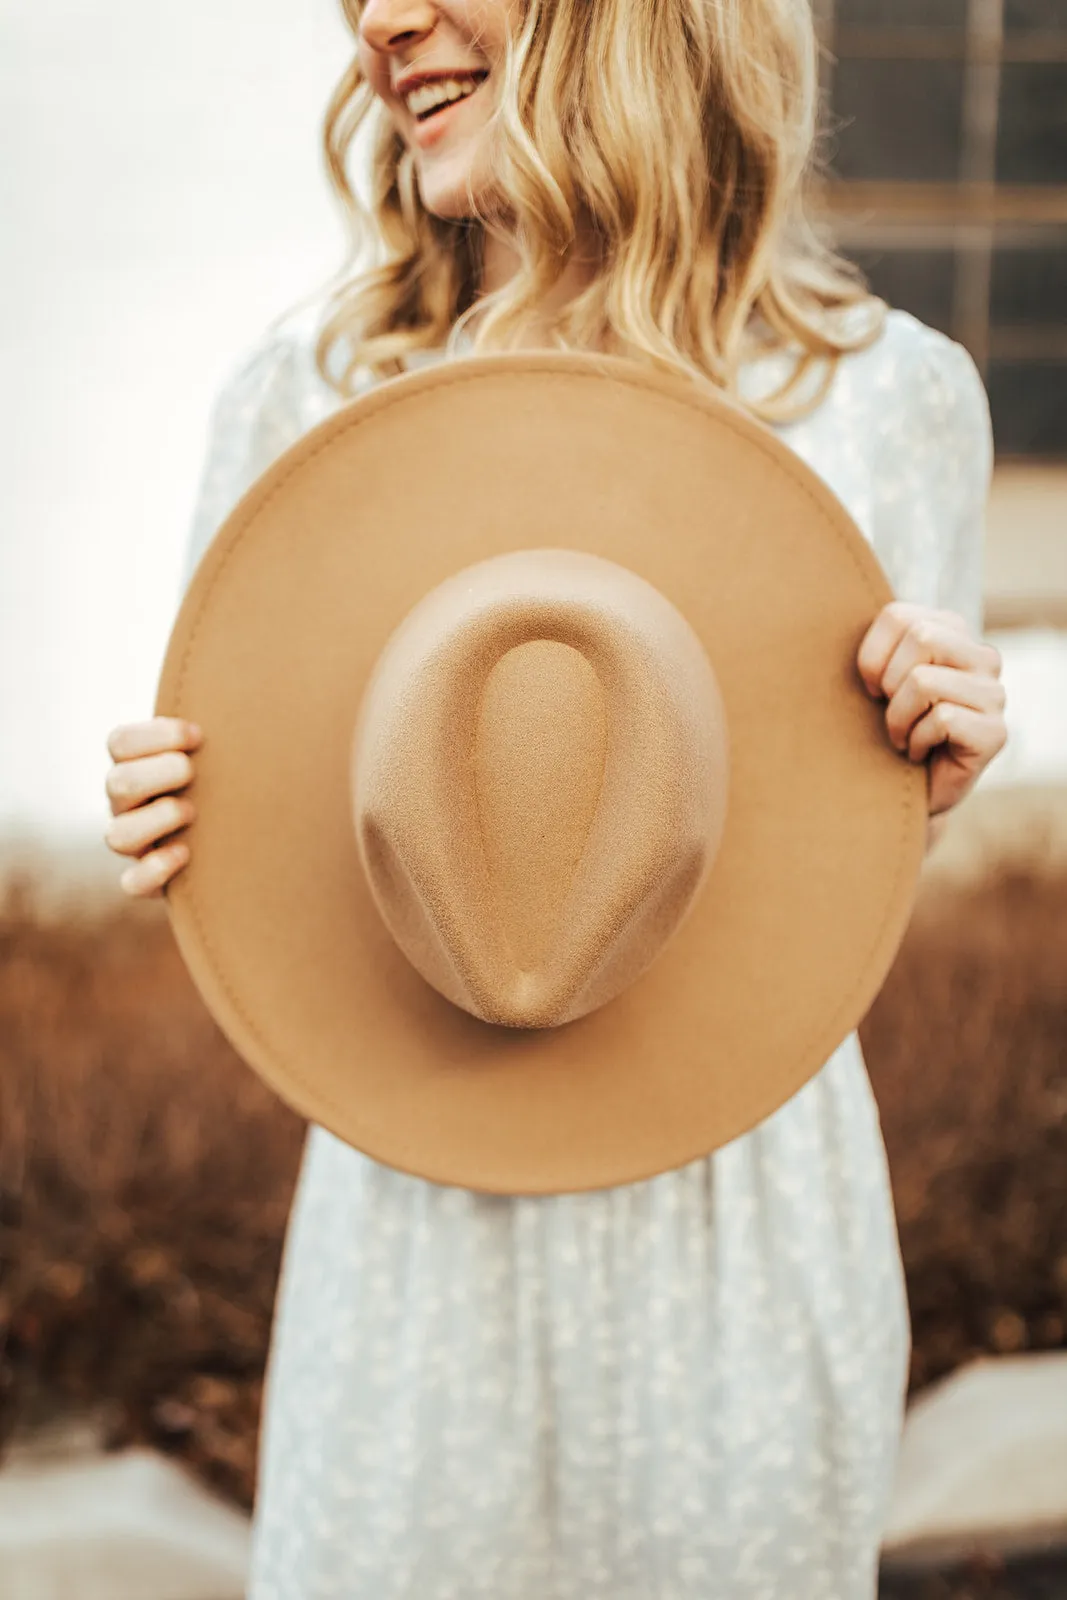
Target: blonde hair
x=685, y=133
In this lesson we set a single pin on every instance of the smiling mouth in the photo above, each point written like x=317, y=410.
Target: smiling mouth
x=450, y=105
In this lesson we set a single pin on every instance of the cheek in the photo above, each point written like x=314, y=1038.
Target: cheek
x=486, y=23
x=375, y=69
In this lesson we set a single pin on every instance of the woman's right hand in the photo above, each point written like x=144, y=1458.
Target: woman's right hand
x=151, y=767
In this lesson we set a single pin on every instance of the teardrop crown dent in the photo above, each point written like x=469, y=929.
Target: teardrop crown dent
x=540, y=776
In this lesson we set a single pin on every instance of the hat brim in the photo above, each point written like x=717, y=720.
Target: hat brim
x=286, y=615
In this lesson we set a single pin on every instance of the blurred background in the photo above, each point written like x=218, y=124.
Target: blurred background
x=164, y=199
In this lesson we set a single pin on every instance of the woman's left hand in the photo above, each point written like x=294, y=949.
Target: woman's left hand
x=945, y=698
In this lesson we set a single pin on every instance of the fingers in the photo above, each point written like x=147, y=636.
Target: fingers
x=939, y=646
x=945, y=699
x=131, y=783
x=975, y=736
x=153, y=872
x=133, y=832
x=958, y=743
x=152, y=738
x=904, y=636
x=151, y=765
x=927, y=685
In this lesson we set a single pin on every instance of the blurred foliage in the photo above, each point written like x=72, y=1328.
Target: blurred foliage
x=985, y=1578
x=145, y=1179
x=146, y=1174
x=967, y=1049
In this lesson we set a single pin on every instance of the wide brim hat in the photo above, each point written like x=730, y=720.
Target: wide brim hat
x=705, y=595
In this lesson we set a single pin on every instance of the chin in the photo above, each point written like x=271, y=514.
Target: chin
x=448, y=205
x=444, y=192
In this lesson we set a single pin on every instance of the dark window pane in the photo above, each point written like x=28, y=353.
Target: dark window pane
x=903, y=119
x=1030, y=287
x=919, y=281
x=1022, y=14
x=1032, y=138
x=1028, y=400
x=901, y=13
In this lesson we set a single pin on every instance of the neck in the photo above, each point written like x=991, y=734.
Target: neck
x=501, y=260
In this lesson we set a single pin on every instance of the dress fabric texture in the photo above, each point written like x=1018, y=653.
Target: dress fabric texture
x=689, y=1388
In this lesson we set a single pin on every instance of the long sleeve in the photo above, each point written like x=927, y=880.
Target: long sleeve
x=272, y=396
x=936, y=466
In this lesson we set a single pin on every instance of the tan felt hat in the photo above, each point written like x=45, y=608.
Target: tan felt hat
x=546, y=837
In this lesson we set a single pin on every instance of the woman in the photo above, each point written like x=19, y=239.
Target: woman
x=692, y=1386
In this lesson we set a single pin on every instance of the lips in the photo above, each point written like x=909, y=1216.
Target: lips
x=418, y=80
x=446, y=105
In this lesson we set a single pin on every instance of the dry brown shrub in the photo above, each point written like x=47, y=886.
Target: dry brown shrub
x=145, y=1177
x=984, y=1577
x=145, y=1174
x=967, y=1046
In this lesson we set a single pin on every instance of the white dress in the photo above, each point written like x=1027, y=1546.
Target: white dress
x=688, y=1388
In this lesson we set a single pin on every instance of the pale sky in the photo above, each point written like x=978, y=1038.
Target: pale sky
x=162, y=200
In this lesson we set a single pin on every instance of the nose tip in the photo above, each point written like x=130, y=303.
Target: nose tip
x=390, y=25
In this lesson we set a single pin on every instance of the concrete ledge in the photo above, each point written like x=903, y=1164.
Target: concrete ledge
x=983, y=1465
x=131, y=1526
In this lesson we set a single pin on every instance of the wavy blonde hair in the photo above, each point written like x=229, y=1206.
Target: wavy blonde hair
x=684, y=132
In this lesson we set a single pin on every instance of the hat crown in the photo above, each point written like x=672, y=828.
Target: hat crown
x=539, y=779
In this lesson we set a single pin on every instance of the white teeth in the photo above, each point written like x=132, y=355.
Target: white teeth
x=429, y=95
